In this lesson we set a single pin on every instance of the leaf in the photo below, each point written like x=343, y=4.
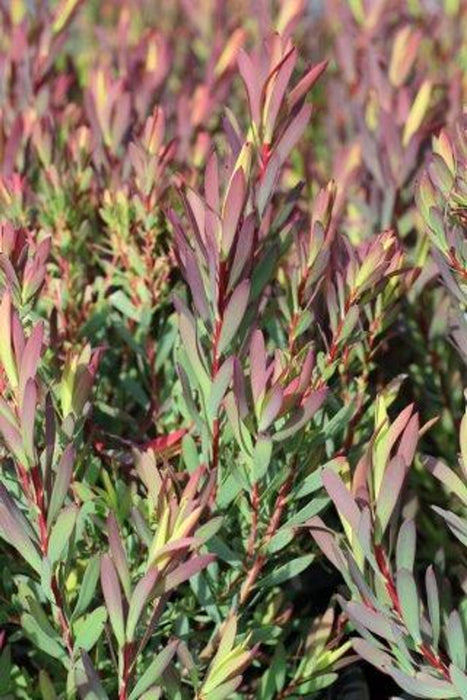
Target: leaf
x=371, y=620
x=287, y=571
x=61, y=533
x=409, y=602
x=90, y=687
x=113, y=598
x=306, y=83
x=232, y=210
x=293, y=132
x=183, y=572
x=342, y=498
x=139, y=599
x=155, y=670
x=219, y=386
x=459, y=680
x=405, y=550
x=87, y=587
x=90, y=629
x=433, y=604
x=61, y=484
x=13, y=532
x=389, y=493
x=234, y=313
x=456, y=640
x=50, y=645
x=118, y=554
x=417, y=112
x=261, y=457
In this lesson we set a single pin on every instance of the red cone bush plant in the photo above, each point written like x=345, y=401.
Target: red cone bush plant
x=233, y=346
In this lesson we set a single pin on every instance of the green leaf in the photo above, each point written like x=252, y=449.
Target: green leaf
x=61, y=533
x=409, y=602
x=89, y=629
x=287, y=571
x=155, y=670
x=87, y=587
x=261, y=457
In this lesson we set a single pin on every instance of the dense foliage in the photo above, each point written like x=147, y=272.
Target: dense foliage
x=233, y=341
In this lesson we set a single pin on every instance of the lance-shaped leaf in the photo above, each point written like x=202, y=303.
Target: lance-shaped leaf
x=405, y=550
x=344, y=502
x=232, y=210
x=305, y=84
x=183, y=572
x=139, y=599
x=87, y=587
x=155, y=670
x=31, y=356
x=113, y=598
x=90, y=629
x=409, y=602
x=302, y=416
x=6, y=351
x=12, y=531
x=89, y=685
x=13, y=439
x=417, y=112
x=62, y=482
x=389, y=493
x=61, y=532
x=456, y=640
x=234, y=313
x=118, y=554
x=432, y=597
x=28, y=414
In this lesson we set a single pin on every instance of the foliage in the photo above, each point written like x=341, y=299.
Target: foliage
x=233, y=345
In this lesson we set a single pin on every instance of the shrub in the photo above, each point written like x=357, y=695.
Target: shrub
x=232, y=349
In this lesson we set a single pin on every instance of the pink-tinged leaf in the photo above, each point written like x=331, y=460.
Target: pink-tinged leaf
x=234, y=313
x=306, y=83
x=275, y=90
x=243, y=251
x=390, y=491
x=13, y=440
x=195, y=282
x=239, y=389
x=268, y=182
x=184, y=572
x=250, y=78
x=118, y=554
x=302, y=415
x=409, y=440
x=211, y=183
x=139, y=598
x=271, y=407
x=28, y=415
x=372, y=654
x=90, y=686
x=258, y=374
x=16, y=536
x=342, y=498
x=371, y=620
x=31, y=356
x=165, y=443
x=325, y=539
x=293, y=133
x=61, y=483
x=17, y=514
x=232, y=210
x=19, y=340
x=113, y=598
